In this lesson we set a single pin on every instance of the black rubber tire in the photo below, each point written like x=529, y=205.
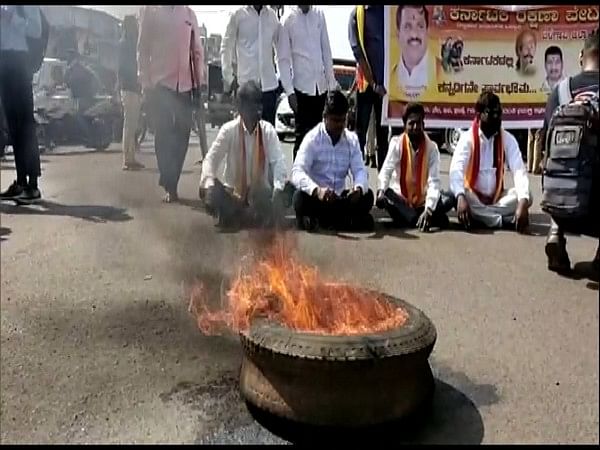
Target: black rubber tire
x=416, y=336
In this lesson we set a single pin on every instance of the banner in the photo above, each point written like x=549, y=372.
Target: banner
x=443, y=56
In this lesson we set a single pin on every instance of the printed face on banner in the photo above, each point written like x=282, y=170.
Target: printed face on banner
x=444, y=56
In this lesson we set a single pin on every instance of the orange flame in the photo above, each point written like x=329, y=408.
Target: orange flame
x=277, y=286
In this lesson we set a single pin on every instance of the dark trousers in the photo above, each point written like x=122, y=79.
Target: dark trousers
x=365, y=101
x=262, y=208
x=17, y=100
x=310, y=113
x=405, y=215
x=335, y=212
x=172, y=113
x=269, y=104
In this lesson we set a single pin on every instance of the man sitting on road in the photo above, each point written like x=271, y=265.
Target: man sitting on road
x=415, y=198
x=329, y=152
x=251, y=190
x=477, y=172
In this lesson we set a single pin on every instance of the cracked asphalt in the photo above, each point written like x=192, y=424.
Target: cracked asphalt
x=97, y=346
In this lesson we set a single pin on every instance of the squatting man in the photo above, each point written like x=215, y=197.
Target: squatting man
x=250, y=191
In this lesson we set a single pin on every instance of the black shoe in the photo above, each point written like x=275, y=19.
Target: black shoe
x=13, y=191
x=558, y=258
x=307, y=223
x=29, y=195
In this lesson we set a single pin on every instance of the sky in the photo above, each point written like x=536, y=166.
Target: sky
x=215, y=17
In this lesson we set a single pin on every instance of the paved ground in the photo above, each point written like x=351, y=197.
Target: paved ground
x=97, y=345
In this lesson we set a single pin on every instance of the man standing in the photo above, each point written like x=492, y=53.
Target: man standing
x=585, y=81
x=304, y=51
x=365, y=33
x=170, y=58
x=254, y=178
x=412, y=69
x=251, y=37
x=477, y=172
x=130, y=91
x=415, y=198
x=18, y=24
x=328, y=154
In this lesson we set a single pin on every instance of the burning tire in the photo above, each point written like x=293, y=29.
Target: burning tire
x=339, y=381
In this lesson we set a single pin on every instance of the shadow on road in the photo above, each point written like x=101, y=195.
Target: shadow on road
x=452, y=418
x=4, y=232
x=92, y=213
x=155, y=170
x=83, y=152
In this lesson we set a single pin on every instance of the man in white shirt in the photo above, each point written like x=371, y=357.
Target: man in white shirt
x=250, y=38
x=412, y=70
x=413, y=196
x=251, y=187
x=477, y=172
x=328, y=153
x=306, y=66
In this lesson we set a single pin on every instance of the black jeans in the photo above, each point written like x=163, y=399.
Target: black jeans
x=365, y=101
x=310, y=113
x=269, y=104
x=334, y=213
x=17, y=100
x=405, y=215
x=172, y=113
x=231, y=211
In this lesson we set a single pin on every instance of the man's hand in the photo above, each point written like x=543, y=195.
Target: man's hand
x=424, y=222
x=293, y=101
x=325, y=194
x=355, y=195
x=522, y=216
x=380, y=200
x=379, y=90
x=463, y=211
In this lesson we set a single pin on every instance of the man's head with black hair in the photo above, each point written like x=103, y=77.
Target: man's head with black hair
x=553, y=62
x=249, y=104
x=412, y=22
x=489, y=113
x=590, y=55
x=335, y=114
x=414, y=122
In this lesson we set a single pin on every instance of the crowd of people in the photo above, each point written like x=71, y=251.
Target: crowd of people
x=163, y=66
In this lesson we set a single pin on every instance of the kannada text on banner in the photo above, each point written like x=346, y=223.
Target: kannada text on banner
x=445, y=56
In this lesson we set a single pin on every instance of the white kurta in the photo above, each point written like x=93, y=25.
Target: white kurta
x=490, y=215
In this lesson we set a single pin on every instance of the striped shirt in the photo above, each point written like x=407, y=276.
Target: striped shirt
x=319, y=163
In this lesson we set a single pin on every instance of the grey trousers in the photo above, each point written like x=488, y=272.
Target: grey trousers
x=492, y=215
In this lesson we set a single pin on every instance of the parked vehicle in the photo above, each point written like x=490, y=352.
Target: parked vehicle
x=285, y=122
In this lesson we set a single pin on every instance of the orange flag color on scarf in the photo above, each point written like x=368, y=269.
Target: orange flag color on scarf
x=258, y=163
x=414, y=189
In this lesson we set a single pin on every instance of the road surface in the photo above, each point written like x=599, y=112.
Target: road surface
x=97, y=345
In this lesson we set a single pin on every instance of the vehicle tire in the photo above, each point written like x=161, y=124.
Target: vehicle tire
x=451, y=137
x=322, y=380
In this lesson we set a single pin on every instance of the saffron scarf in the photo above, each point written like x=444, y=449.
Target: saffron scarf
x=414, y=188
x=257, y=166
x=472, y=172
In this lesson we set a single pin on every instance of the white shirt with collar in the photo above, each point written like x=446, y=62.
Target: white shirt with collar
x=416, y=81
x=319, y=163
x=390, y=178
x=227, y=145
x=486, y=181
x=249, y=41
x=304, y=54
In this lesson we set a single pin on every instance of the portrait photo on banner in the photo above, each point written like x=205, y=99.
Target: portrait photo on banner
x=444, y=56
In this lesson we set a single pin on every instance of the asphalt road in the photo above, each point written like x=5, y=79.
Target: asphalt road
x=97, y=345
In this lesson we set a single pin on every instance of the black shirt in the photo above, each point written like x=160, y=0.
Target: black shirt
x=374, y=21
x=580, y=82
